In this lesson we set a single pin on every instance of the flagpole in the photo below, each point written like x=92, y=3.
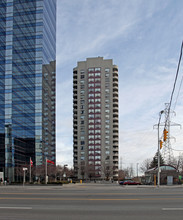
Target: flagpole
x=46, y=171
x=30, y=171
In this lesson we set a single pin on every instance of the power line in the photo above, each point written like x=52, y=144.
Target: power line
x=178, y=94
x=177, y=73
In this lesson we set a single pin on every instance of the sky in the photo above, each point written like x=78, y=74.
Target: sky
x=144, y=39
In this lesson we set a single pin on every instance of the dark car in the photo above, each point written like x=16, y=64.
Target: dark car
x=129, y=182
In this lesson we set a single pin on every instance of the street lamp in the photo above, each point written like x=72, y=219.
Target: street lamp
x=64, y=175
x=159, y=148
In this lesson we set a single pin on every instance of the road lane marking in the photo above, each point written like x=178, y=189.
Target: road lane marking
x=88, y=199
x=15, y=207
x=172, y=209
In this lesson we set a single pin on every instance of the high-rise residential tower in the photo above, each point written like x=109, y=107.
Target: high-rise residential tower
x=27, y=84
x=95, y=119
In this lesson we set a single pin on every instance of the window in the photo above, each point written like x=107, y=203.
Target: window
x=97, y=95
x=91, y=74
x=91, y=105
x=97, y=69
x=91, y=70
x=90, y=100
x=91, y=126
x=97, y=90
x=107, y=111
x=97, y=142
x=91, y=85
x=97, y=80
x=91, y=95
x=91, y=136
x=98, y=121
x=91, y=147
x=97, y=105
x=98, y=116
x=82, y=122
x=82, y=138
x=107, y=70
x=97, y=126
x=82, y=117
x=82, y=82
x=107, y=131
x=91, y=80
x=97, y=100
x=90, y=121
x=107, y=85
x=107, y=90
x=91, y=90
x=97, y=84
x=82, y=72
x=82, y=76
x=91, y=110
x=97, y=74
x=91, y=131
x=91, y=116
x=82, y=92
x=106, y=137
x=97, y=131
x=98, y=110
x=82, y=142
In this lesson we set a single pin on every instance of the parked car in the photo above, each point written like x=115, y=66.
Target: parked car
x=129, y=182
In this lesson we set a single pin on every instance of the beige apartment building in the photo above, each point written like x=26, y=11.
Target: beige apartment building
x=95, y=119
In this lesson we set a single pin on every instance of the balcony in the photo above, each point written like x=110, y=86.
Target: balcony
x=115, y=80
x=115, y=100
x=115, y=84
x=115, y=69
x=115, y=75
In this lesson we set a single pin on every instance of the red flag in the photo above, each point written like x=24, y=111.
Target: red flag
x=49, y=161
x=31, y=163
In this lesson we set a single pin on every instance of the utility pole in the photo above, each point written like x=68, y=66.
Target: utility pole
x=46, y=171
x=30, y=170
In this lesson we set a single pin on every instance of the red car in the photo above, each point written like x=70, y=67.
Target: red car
x=129, y=182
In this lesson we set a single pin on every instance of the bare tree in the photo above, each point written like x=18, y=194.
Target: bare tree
x=145, y=165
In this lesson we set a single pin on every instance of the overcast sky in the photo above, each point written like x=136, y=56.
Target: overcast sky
x=144, y=39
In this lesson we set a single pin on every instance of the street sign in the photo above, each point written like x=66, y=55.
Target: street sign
x=24, y=168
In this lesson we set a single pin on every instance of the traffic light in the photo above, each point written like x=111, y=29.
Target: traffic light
x=165, y=132
x=161, y=143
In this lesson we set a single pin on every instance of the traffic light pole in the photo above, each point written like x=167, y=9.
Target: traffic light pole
x=159, y=148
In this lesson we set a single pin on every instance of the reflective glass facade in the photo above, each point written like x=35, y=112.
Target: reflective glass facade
x=27, y=83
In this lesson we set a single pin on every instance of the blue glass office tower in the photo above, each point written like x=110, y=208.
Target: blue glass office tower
x=27, y=84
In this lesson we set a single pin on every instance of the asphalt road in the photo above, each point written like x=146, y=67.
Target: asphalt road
x=91, y=202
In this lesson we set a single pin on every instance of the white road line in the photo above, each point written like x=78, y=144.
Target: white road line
x=172, y=209
x=15, y=207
